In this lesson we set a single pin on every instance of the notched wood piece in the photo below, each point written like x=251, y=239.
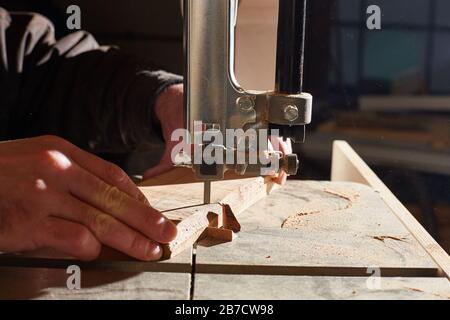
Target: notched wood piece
x=208, y=221
x=220, y=234
x=191, y=228
x=232, y=197
x=229, y=219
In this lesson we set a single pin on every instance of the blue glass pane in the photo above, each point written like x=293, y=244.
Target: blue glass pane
x=441, y=64
x=443, y=13
x=344, y=52
x=390, y=56
x=349, y=10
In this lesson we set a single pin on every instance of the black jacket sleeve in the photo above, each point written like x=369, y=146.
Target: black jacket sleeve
x=96, y=97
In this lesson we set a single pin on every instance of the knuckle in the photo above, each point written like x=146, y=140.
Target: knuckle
x=52, y=140
x=115, y=172
x=45, y=160
x=102, y=225
x=112, y=199
x=53, y=160
x=82, y=239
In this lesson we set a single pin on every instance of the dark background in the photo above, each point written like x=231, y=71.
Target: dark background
x=345, y=62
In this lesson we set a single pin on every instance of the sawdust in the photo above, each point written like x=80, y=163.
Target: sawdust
x=296, y=221
x=382, y=238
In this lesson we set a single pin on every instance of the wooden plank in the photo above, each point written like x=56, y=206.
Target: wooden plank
x=262, y=287
x=348, y=166
x=179, y=189
x=327, y=233
x=30, y=283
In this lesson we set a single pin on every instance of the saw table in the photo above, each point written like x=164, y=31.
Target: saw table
x=348, y=238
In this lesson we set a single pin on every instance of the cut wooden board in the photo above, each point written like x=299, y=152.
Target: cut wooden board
x=192, y=227
x=328, y=235
x=179, y=189
x=347, y=165
x=262, y=287
x=31, y=283
x=187, y=207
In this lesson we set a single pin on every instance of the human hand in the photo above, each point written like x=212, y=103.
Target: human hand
x=53, y=194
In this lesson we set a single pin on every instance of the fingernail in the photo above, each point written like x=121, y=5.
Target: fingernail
x=152, y=251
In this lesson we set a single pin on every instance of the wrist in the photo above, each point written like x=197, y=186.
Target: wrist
x=168, y=110
x=169, y=103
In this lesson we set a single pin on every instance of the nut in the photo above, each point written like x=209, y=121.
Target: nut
x=245, y=103
x=291, y=113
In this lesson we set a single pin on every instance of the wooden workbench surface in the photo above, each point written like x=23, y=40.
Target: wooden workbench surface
x=306, y=240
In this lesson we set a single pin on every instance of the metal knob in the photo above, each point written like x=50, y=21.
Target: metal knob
x=290, y=164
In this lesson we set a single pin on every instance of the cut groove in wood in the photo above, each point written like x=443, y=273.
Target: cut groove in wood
x=113, y=265
x=313, y=271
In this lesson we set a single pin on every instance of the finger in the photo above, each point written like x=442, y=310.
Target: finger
x=157, y=171
x=108, y=172
x=70, y=238
x=280, y=179
x=109, y=199
x=274, y=143
x=285, y=147
x=108, y=230
x=270, y=146
x=165, y=164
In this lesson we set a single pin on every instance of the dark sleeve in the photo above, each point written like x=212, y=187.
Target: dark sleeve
x=96, y=97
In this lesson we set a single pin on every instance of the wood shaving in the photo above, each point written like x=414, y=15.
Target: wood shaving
x=382, y=238
x=348, y=197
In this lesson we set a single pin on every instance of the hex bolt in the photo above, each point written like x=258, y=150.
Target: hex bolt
x=245, y=103
x=291, y=113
